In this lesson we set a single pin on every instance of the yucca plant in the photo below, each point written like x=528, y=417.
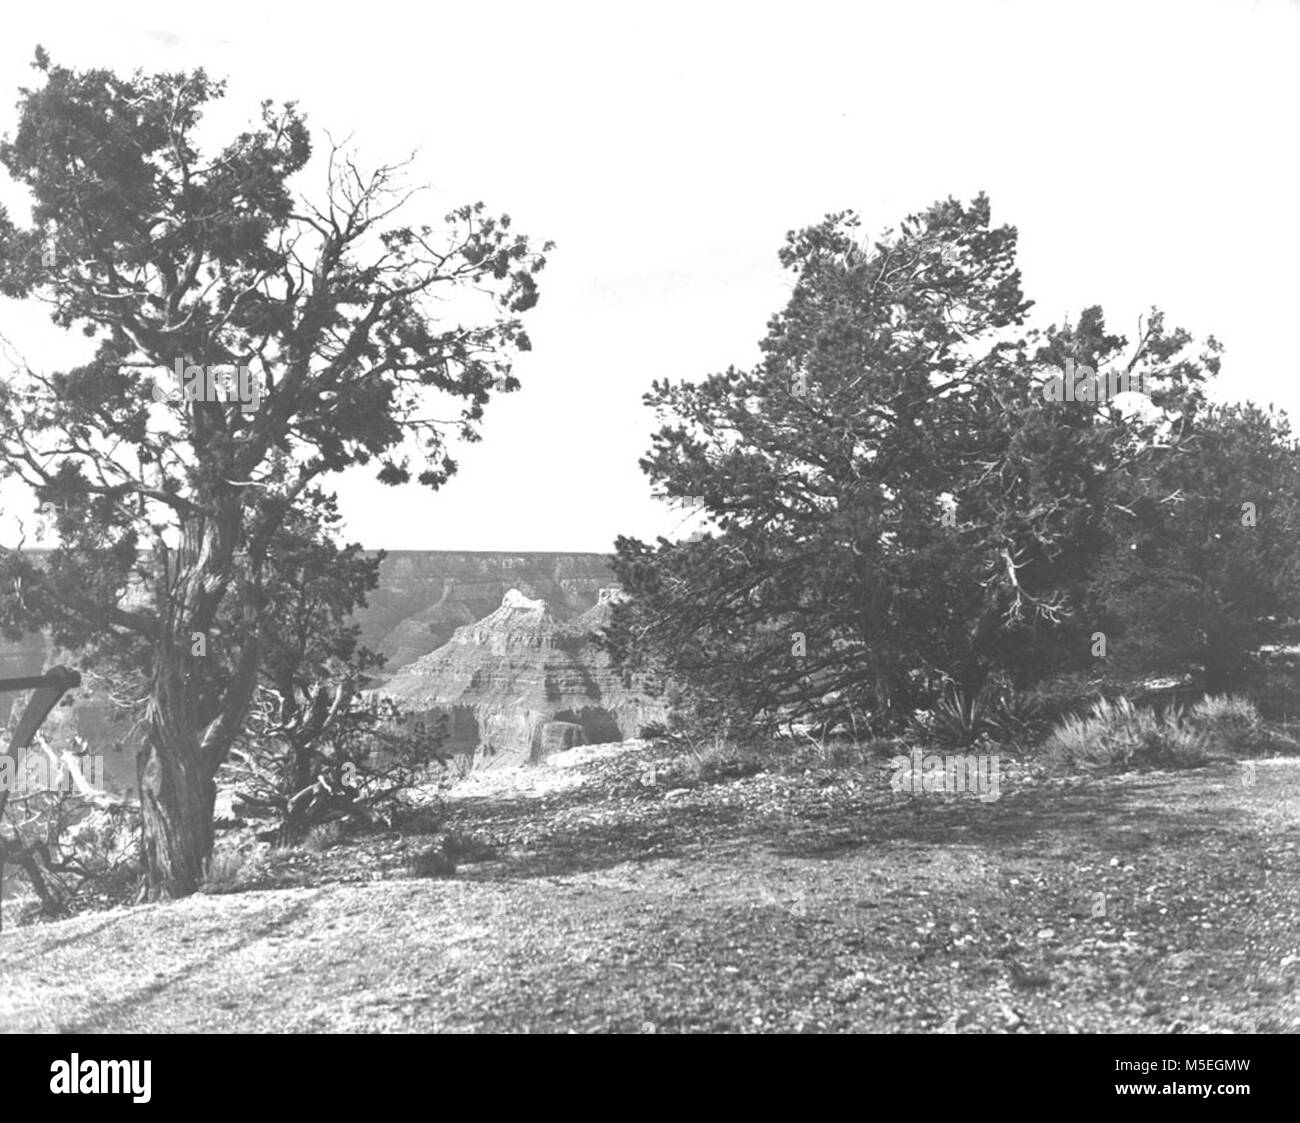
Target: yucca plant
x=960, y=719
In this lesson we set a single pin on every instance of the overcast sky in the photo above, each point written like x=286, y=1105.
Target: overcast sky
x=1147, y=152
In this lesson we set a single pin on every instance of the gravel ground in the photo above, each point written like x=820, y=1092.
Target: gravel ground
x=622, y=894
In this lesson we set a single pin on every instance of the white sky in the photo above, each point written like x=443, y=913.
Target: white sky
x=1147, y=152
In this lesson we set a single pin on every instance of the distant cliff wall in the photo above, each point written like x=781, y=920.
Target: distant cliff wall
x=423, y=597
x=501, y=679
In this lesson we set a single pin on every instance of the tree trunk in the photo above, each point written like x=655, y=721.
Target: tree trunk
x=177, y=788
x=177, y=797
x=1217, y=679
x=1221, y=669
x=185, y=743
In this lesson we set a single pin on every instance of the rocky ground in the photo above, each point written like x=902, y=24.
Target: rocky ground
x=616, y=889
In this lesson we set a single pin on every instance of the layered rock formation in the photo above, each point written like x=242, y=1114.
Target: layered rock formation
x=424, y=596
x=422, y=599
x=500, y=680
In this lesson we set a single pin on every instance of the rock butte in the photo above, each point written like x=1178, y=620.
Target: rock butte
x=509, y=682
x=425, y=598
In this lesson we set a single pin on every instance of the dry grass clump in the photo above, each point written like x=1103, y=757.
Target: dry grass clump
x=1119, y=735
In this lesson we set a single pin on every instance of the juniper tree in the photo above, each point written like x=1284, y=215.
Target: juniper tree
x=896, y=506
x=1204, y=564
x=163, y=255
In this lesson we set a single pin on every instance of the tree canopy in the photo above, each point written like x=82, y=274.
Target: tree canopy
x=369, y=341
x=897, y=501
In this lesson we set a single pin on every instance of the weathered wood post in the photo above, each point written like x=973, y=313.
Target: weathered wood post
x=46, y=690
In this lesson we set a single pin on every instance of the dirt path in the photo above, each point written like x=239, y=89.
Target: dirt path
x=821, y=901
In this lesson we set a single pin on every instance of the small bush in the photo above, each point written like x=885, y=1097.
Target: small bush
x=323, y=754
x=835, y=754
x=433, y=862
x=1232, y=722
x=848, y=755
x=1119, y=735
x=73, y=852
x=321, y=837
x=461, y=848
x=231, y=871
x=1276, y=693
x=418, y=818
x=724, y=761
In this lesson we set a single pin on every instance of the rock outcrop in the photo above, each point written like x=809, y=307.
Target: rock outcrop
x=556, y=736
x=501, y=680
x=423, y=597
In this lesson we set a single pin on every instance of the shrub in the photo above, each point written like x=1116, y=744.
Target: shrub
x=722, y=760
x=1276, y=692
x=345, y=759
x=231, y=871
x=418, y=818
x=1119, y=735
x=70, y=847
x=959, y=719
x=322, y=836
x=1232, y=722
x=854, y=755
x=433, y=862
x=697, y=722
x=460, y=847
x=834, y=754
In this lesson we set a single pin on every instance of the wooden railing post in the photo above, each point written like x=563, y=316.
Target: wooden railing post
x=48, y=689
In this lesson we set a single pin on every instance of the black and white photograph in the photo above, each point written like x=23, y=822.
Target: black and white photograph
x=697, y=518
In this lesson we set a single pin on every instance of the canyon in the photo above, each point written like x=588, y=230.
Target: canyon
x=424, y=596
x=520, y=681
x=500, y=643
